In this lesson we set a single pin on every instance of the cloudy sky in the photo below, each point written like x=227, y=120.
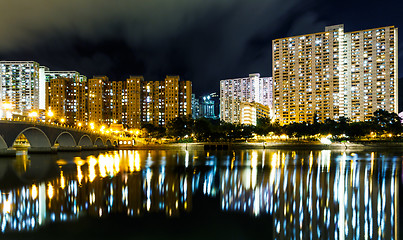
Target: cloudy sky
x=200, y=40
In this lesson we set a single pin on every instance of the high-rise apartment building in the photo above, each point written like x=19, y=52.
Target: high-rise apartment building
x=117, y=101
x=166, y=100
x=195, y=107
x=99, y=93
x=335, y=73
x=134, y=85
x=154, y=102
x=19, y=85
x=251, y=89
x=66, y=96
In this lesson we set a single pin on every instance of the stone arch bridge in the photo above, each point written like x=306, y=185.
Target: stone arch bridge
x=44, y=137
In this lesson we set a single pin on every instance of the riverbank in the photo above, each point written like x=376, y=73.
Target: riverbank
x=272, y=145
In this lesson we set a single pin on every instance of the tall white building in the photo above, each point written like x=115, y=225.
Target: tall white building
x=19, y=85
x=335, y=73
x=233, y=92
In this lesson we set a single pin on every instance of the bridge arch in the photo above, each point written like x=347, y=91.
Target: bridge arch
x=108, y=143
x=115, y=143
x=36, y=137
x=65, y=139
x=85, y=140
x=3, y=144
x=99, y=142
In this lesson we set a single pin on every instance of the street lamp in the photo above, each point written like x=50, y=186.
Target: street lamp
x=7, y=106
x=92, y=125
x=6, y=110
x=136, y=132
x=62, y=120
x=33, y=115
x=50, y=114
x=102, y=129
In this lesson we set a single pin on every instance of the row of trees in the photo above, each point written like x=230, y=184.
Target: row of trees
x=213, y=130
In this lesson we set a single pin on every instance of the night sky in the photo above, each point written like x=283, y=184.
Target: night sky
x=201, y=40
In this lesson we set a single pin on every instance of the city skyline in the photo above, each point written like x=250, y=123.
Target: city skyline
x=203, y=41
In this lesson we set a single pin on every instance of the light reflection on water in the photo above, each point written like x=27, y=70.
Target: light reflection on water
x=318, y=194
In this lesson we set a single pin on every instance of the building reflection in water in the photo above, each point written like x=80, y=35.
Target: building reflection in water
x=319, y=194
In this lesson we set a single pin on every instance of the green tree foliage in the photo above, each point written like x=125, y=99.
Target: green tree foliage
x=386, y=122
x=180, y=127
x=264, y=126
x=213, y=130
x=203, y=129
x=154, y=131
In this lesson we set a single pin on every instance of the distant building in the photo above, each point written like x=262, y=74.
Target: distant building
x=66, y=96
x=233, y=92
x=19, y=85
x=195, y=107
x=155, y=102
x=133, y=102
x=251, y=112
x=99, y=100
x=335, y=73
x=209, y=106
x=401, y=117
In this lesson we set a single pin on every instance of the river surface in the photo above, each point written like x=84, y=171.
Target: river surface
x=246, y=194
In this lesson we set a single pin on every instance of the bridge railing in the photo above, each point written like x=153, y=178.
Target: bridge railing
x=57, y=125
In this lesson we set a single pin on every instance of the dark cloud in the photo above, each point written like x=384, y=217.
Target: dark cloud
x=201, y=40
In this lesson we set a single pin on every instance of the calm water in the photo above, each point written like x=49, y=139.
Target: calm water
x=246, y=194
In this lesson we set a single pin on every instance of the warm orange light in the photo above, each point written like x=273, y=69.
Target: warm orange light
x=62, y=120
x=34, y=191
x=79, y=124
x=50, y=113
x=7, y=206
x=33, y=114
x=92, y=125
x=50, y=191
x=7, y=106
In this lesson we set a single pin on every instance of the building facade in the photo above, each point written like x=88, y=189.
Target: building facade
x=155, y=102
x=66, y=96
x=99, y=96
x=334, y=73
x=251, y=89
x=19, y=85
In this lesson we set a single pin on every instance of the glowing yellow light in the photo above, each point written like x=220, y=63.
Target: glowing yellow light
x=102, y=165
x=33, y=114
x=7, y=106
x=62, y=180
x=91, y=168
x=79, y=174
x=34, y=191
x=131, y=161
x=325, y=140
x=62, y=120
x=7, y=206
x=253, y=161
x=50, y=191
x=117, y=163
x=79, y=124
x=137, y=160
x=50, y=113
x=92, y=125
